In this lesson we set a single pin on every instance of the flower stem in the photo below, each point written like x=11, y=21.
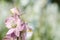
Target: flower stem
x=17, y=38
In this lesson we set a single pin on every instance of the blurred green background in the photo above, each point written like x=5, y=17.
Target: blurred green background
x=43, y=16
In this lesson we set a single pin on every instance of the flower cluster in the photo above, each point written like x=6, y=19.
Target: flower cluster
x=17, y=27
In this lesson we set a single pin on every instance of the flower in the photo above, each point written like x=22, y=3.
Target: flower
x=17, y=28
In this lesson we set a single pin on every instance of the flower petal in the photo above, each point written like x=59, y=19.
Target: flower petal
x=7, y=37
x=8, y=22
x=23, y=26
x=18, y=24
x=17, y=32
x=10, y=31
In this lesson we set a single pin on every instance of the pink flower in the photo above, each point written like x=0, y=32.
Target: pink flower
x=17, y=28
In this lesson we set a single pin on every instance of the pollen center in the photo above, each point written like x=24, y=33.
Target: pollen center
x=14, y=24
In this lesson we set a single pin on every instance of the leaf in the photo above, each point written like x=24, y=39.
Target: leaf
x=3, y=32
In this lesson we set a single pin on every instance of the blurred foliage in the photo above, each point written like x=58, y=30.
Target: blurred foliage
x=10, y=1
x=56, y=1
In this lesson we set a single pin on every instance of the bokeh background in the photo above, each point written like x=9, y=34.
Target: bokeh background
x=43, y=16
